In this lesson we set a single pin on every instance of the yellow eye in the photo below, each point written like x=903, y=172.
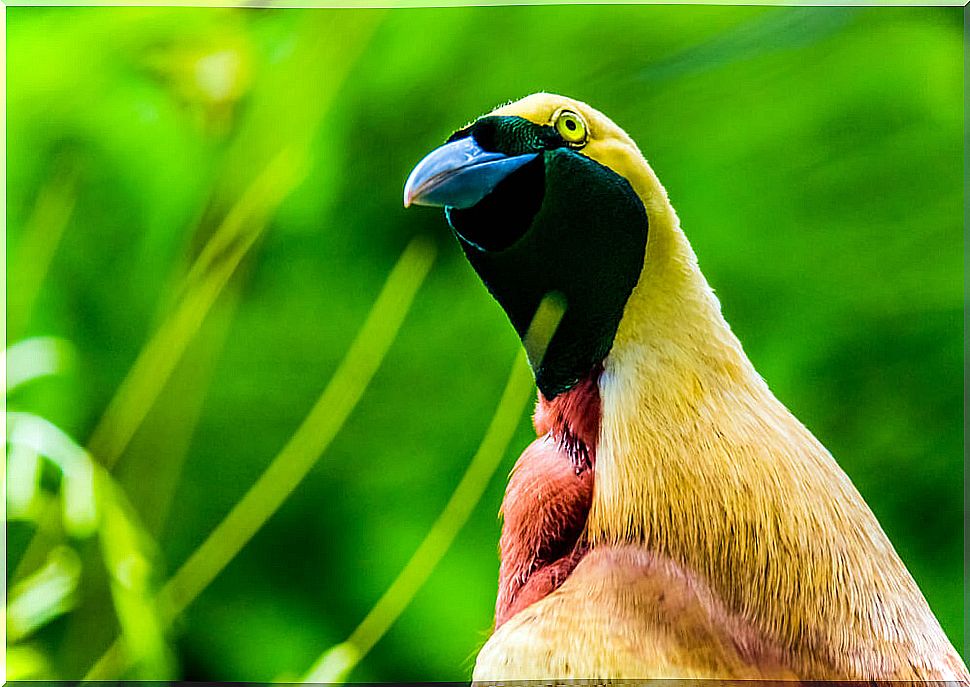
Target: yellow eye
x=571, y=127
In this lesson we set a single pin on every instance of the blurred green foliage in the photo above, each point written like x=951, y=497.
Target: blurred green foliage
x=239, y=172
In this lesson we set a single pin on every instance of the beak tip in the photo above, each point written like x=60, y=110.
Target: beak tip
x=410, y=192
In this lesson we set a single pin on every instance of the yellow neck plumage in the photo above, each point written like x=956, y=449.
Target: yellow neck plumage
x=698, y=460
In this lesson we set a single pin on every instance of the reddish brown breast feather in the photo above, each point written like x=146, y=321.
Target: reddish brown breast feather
x=548, y=499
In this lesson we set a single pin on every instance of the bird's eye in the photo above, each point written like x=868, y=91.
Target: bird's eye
x=571, y=127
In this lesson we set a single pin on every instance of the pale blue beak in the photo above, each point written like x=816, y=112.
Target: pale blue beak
x=459, y=174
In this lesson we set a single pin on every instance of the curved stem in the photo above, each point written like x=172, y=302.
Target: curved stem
x=335, y=664
x=301, y=452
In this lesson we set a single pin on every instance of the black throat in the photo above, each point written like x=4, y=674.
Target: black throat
x=562, y=223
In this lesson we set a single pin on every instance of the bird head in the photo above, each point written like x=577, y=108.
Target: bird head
x=548, y=198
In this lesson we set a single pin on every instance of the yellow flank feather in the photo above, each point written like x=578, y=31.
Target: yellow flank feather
x=711, y=496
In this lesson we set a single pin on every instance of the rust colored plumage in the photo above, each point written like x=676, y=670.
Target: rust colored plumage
x=547, y=500
x=545, y=510
x=572, y=419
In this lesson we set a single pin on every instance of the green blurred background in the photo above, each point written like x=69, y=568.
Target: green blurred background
x=815, y=159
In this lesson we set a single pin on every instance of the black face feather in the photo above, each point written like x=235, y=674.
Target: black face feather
x=561, y=223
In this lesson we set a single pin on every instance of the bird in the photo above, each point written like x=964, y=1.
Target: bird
x=672, y=518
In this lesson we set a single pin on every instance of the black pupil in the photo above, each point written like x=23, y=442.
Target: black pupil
x=570, y=124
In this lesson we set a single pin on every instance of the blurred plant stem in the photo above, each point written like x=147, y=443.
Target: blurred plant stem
x=173, y=420
x=298, y=456
x=245, y=222
x=282, y=157
x=158, y=358
x=278, y=149
x=89, y=503
x=38, y=243
x=36, y=357
x=336, y=664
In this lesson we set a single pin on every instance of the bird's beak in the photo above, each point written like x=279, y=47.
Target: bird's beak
x=459, y=174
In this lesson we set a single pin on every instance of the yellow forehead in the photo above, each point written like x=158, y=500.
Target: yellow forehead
x=540, y=108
